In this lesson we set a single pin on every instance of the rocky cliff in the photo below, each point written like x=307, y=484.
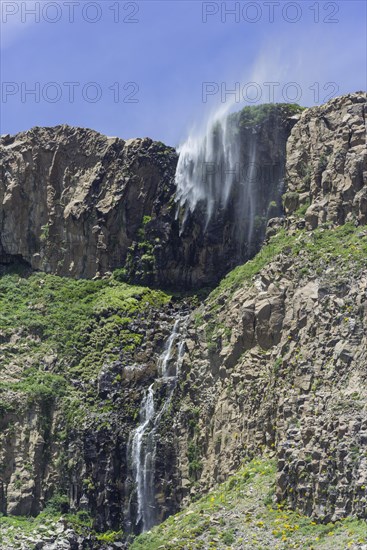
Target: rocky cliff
x=76, y=203
x=273, y=359
x=326, y=163
x=276, y=357
x=73, y=200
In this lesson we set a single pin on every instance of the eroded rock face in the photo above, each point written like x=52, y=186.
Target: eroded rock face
x=72, y=200
x=327, y=162
x=279, y=367
x=76, y=203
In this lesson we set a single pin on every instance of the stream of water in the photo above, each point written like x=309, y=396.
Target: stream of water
x=142, y=447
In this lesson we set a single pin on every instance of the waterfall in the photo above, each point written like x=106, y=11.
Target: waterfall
x=142, y=446
x=218, y=172
x=163, y=362
x=208, y=166
x=141, y=454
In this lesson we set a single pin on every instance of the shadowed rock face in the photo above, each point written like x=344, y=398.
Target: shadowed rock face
x=76, y=203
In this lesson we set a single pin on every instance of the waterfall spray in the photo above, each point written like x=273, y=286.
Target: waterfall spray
x=218, y=172
x=208, y=166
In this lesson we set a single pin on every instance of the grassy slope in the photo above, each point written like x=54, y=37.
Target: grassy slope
x=345, y=247
x=240, y=514
x=55, y=330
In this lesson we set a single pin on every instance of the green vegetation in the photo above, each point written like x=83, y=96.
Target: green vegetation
x=339, y=246
x=195, y=464
x=140, y=261
x=277, y=365
x=242, y=513
x=14, y=527
x=245, y=272
x=109, y=537
x=146, y=220
x=301, y=211
x=56, y=330
x=58, y=504
x=255, y=114
x=45, y=231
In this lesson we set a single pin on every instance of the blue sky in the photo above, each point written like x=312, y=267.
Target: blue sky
x=161, y=55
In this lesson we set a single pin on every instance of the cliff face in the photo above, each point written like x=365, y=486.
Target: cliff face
x=273, y=361
x=73, y=200
x=75, y=357
x=326, y=163
x=276, y=363
x=76, y=203
x=276, y=358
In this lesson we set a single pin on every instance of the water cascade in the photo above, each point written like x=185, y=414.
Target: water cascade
x=142, y=446
x=229, y=175
x=208, y=167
